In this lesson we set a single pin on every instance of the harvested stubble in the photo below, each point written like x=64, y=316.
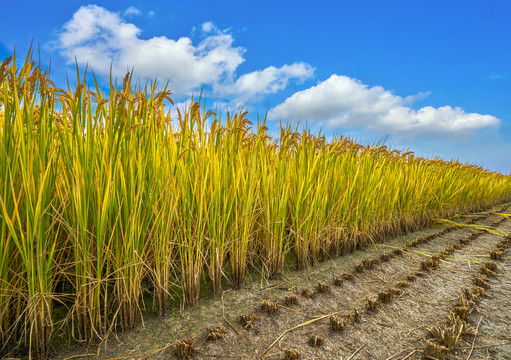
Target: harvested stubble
x=269, y=307
x=490, y=265
x=216, y=333
x=464, y=308
x=476, y=292
x=348, y=276
x=385, y=296
x=447, y=336
x=308, y=293
x=291, y=300
x=481, y=280
x=247, y=320
x=462, y=311
x=323, y=288
x=403, y=284
x=429, y=265
x=448, y=251
x=496, y=255
x=370, y=263
x=461, y=325
x=337, y=323
x=106, y=179
x=316, y=340
x=486, y=271
x=396, y=291
x=291, y=354
x=385, y=257
x=338, y=281
x=355, y=316
x=434, y=351
x=184, y=348
x=372, y=304
x=465, y=241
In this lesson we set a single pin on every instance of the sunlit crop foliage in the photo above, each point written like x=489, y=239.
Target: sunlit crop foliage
x=105, y=200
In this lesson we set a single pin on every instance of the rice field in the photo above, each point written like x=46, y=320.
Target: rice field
x=106, y=201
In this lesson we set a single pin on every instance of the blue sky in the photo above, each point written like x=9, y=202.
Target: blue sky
x=433, y=77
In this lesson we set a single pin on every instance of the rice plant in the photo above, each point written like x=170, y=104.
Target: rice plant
x=106, y=202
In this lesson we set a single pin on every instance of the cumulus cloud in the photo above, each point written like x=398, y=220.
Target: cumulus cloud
x=268, y=81
x=341, y=101
x=100, y=38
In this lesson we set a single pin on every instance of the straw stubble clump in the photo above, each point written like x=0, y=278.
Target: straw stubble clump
x=142, y=201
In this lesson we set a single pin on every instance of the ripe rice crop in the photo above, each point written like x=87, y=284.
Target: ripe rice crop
x=105, y=198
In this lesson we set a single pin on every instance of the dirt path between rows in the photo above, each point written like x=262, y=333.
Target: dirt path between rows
x=397, y=291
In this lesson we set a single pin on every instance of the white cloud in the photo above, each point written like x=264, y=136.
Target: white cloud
x=256, y=84
x=100, y=38
x=131, y=11
x=341, y=101
x=208, y=26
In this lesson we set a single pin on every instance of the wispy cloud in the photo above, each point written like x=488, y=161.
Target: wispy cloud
x=343, y=102
x=499, y=76
x=101, y=38
x=131, y=11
